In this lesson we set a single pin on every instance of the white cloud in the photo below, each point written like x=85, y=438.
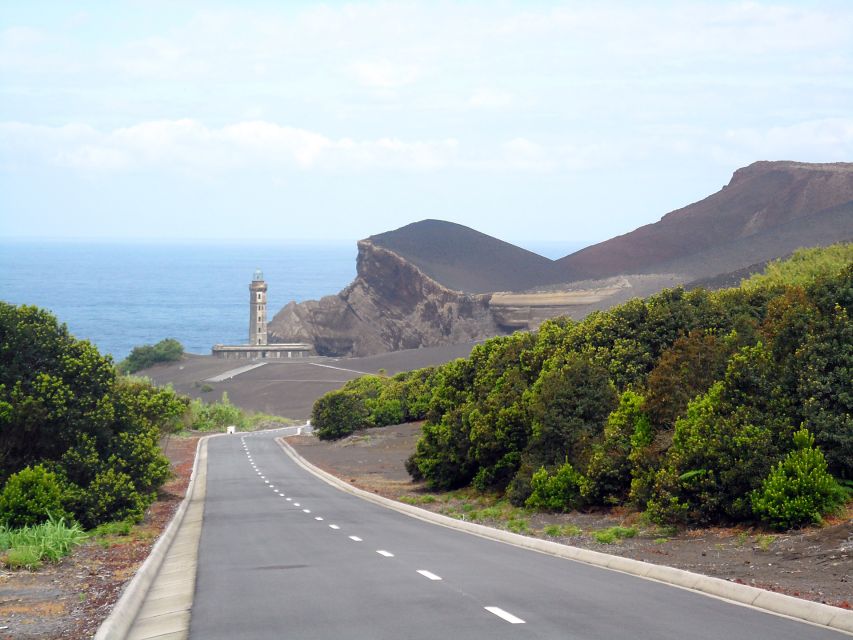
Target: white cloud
x=188, y=145
x=490, y=99
x=383, y=74
x=825, y=140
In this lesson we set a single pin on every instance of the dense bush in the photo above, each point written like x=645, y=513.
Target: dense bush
x=30, y=497
x=799, y=490
x=62, y=405
x=215, y=416
x=112, y=495
x=560, y=491
x=338, y=414
x=142, y=357
x=680, y=404
x=609, y=471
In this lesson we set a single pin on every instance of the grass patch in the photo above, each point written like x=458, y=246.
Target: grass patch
x=764, y=541
x=562, y=531
x=23, y=558
x=119, y=528
x=416, y=500
x=27, y=547
x=518, y=525
x=611, y=535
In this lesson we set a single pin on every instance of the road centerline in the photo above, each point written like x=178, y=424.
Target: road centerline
x=505, y=615
x=428, y=574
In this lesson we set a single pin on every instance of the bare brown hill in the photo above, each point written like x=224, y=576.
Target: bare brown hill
x=767, y=210
x=432, y=282
x=463, y=259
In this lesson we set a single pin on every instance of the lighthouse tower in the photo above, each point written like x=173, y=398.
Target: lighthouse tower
x=258, y=309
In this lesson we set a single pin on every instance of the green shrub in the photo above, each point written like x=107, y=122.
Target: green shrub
x=608, y=472
x=798, y=490
x=558, y=492
x=30, y=497
x=216, y=416
x=803, y=267
x=112, y=496
x=338, y=414
x=727, y=442
x=142, y=357
x=385, y=411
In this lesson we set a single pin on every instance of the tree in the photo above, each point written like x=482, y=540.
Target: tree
x=142, y=357
x=608, y=474
x=725, y=444
x=62, y=405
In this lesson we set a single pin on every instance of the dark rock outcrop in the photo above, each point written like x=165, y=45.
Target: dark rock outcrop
x=390, y=305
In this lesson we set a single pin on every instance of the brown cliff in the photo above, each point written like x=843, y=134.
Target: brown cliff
x=390, y=305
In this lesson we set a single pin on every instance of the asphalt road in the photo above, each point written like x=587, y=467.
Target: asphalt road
x=284, y=555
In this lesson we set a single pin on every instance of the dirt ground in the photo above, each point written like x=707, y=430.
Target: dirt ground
x=70, y=599
x=814, y=563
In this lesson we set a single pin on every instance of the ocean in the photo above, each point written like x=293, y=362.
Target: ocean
x=119, y=295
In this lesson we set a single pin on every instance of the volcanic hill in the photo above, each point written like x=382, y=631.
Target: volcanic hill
x=767, y=210
x=463, y=259
x=433, y=282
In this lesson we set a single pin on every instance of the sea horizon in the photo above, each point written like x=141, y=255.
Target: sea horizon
x=123, y=293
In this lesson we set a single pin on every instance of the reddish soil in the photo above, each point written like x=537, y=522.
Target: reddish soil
x=814, y=563
x=70, y=599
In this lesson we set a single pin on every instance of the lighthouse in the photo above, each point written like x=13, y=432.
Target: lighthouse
x=258, y=309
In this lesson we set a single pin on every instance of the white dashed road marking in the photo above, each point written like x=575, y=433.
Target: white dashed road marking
x=500, y=613
x=355, y=538
x=334, y=526
x=296, y=504
x=306, y=511
x=387, y=554
x=428, y=574
x=289, y=499
x=318, y=518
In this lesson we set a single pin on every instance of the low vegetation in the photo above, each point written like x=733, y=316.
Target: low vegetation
x=80, y=443
x=144, y=356
x=27, y=547
x=695, y=407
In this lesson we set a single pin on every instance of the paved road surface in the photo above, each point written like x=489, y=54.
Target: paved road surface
x=283, y=555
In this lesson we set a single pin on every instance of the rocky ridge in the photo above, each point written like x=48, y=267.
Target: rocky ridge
x=433, y=282
x=390, y=305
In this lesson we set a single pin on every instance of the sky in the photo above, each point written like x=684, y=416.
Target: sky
x=530, y=121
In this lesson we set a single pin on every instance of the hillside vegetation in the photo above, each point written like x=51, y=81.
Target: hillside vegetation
x=697, y=407
x=147, y=355
x=79, y=443
x=76, y=440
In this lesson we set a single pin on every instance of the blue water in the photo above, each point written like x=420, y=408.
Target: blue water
x=123, y=295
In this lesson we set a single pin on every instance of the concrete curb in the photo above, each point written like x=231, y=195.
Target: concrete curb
x=121, y=618
x=777, y=603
